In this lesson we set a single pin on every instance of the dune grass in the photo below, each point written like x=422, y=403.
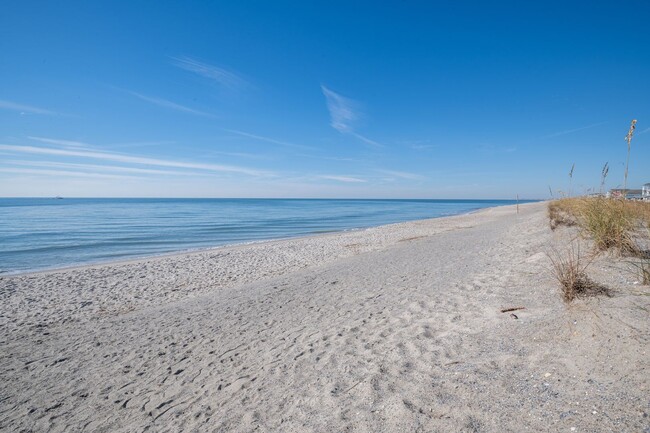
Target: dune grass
x=641, y=268
x=618, y=225
x=628, y=138
x=570, y=270
x=611, y=223
x=640, y=210
x=563, y=212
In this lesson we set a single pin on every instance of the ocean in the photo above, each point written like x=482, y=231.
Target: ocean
x=48, y=233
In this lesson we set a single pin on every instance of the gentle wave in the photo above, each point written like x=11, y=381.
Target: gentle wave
x=47, y=233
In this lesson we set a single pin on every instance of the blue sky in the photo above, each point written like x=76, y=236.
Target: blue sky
x=321, y=99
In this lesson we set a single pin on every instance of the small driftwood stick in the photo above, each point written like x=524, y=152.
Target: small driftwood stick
x=507, y=310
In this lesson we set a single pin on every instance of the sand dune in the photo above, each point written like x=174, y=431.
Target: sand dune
x=395, y=328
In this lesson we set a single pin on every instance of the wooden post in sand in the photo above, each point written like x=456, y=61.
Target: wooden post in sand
x=517, y=204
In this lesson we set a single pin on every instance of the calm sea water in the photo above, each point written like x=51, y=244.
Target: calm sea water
x=49, y=233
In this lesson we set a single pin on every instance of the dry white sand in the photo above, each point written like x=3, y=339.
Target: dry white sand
x=395, y=328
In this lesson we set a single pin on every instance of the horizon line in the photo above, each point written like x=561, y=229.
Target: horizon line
x=266, y=198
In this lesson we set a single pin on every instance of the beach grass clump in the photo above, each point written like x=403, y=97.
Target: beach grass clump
x=569, y=268
x=640, y=211
x=562, y=212
x=610, y=223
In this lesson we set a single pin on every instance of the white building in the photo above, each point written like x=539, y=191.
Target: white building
x=645, y=191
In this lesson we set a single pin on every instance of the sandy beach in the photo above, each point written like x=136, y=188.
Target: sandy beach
x=396, y=328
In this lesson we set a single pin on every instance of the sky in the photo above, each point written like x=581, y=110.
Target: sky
x=322, y=99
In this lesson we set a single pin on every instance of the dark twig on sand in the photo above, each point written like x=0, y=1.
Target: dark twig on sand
x=507, y=310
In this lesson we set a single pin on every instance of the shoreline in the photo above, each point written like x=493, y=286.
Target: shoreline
x=394, y=328
x=137, y=259
x=138, y=284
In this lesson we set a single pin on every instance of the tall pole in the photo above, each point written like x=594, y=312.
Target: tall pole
x=517, y=204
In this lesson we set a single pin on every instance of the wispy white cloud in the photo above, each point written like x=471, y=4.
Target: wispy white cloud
x=267, y=139
x=71, y=144
x=570, y=131
x=331, y=158
x=644, y=131
x=343, y=114
x=366, y=140
x=62, y=143
x=62, y=173
x=241, y=154
x=137, y=144
x=96, y=167
x=403, y=174
x=222, y=76
x=342, y=110
x=8, y=105
x=171, y=105
x=116, y=157
x=347, y=179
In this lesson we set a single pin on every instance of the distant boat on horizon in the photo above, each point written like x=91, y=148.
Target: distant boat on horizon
x=58, y=197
